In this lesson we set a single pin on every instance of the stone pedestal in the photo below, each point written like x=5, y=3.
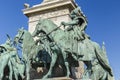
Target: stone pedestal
x=58, y=78
x=57, y=11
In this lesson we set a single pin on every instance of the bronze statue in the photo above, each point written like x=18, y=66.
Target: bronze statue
x=76, y=30
x=94, y=59
x=29, y=48
x=86, y=48
x=6, y=58
x=58, y=39
x=77, y=24
x=80, y=45
x=55, y=42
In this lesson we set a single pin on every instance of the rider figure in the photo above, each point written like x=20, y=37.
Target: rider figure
x=9, y=48
x=77, y=24
x=76, y=28
x=8, y=45
x=44, y=41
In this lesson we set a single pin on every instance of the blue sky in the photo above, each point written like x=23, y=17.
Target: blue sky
x=103, y=23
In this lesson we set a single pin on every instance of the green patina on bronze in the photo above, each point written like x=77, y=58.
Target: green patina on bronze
x=53, y=43
x=9, y=57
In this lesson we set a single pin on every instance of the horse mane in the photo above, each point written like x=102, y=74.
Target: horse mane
x=47, y=25
x=28, y=36
x=28, y=40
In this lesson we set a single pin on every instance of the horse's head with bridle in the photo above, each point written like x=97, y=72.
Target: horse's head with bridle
x=19, y=37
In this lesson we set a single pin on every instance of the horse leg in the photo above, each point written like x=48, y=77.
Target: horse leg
x=1, y=73
x=22, y=75
x=11, y=70
x=87, y=72
x=104, y=76
x=28, y=70
x=68, y=71
x=16, y=76
x=2, y=67
x=66, y=64
x=52, y=64
x=21, y=72
x=1, y=76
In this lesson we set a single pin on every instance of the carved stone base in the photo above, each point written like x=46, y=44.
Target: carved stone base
x=62, y=78
x=57, y=78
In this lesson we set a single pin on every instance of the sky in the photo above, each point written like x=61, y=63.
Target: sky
x=103, y=24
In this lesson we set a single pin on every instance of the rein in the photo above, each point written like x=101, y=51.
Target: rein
x=50, y=32
x=21, y=36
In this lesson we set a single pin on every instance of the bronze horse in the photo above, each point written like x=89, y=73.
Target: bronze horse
x=61, y=40
x=58, y=40
x=29, y=48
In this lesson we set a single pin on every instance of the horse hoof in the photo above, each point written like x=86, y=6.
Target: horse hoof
x=67, y=76
x=45, y=77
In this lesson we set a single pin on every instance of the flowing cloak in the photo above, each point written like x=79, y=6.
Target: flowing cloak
x=103, y=63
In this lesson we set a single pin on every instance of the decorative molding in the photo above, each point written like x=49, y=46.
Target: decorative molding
x=45, y=7
x=48, y=15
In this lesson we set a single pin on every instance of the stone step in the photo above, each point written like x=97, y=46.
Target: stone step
x=57, y=78
x=61, y=78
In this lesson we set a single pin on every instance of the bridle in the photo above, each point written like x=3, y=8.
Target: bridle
x=19, y=38
x=50, y=31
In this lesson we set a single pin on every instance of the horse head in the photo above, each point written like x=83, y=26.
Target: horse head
x=37, y=29
x=44, y=25
x=19, y=37
x=40, y=28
